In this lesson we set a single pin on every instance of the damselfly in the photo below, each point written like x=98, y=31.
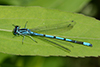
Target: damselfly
x=27, y=32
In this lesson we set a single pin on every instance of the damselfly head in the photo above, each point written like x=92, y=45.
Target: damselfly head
x=15, y=26
x=15, y=31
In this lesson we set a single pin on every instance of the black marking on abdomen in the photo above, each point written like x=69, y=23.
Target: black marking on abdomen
x=44, y=35
x=64, y=38
x=73, y=41
x=79, y=42
x=54, y=36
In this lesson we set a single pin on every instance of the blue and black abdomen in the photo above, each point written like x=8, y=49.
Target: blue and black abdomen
x=60, y=38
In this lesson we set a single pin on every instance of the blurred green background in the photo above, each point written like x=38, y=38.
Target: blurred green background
x=86, y=7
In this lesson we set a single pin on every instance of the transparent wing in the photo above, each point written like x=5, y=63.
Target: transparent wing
x=54, y=29
x=55, y=43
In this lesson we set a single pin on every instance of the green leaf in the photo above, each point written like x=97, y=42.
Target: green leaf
x=86, y=29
